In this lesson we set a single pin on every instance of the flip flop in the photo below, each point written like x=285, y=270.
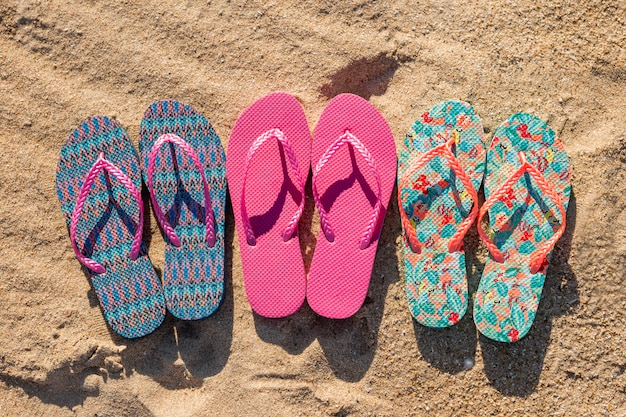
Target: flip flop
x=183, y=165
x=440, y=167
x=351, y=186
x=268, y=164
x=98, y=184
x=527, y=188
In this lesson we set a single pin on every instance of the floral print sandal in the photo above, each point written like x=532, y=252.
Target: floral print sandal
x=527, y=187
x=440, y=167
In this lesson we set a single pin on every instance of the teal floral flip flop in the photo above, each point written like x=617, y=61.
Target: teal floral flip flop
x=527, y=188
x=440, y=167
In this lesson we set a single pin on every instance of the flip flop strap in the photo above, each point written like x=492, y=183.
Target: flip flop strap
x=538, y=258
x=348, y=137
x=100, y=165
x=292, y=226
x=445, y=149
x=209, y=221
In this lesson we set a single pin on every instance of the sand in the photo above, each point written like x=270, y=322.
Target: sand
x=64, y=60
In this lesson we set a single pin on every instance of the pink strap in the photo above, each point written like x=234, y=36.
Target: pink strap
x=92, y=174
x=292, y=226
x=444, y=149
x=348, y=137
x=538, y=258
x=209, y=221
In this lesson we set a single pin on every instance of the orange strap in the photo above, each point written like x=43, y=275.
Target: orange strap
x=444, y=149
x=539, y=258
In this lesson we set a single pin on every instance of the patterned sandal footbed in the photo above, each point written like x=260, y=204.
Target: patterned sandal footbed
x=508, y=295
x=436, y=284
x=129, y=292
x=193, y=276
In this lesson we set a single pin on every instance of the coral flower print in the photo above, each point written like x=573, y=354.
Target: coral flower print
x=439, y=205
x=527, y=190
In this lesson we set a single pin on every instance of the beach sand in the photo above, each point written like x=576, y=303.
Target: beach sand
x=64, y=60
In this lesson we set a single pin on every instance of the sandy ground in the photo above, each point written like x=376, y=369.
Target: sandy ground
x=64, y=60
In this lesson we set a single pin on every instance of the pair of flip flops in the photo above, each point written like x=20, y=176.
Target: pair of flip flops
x=270, y=152
x=527, y=188
x=98, y=184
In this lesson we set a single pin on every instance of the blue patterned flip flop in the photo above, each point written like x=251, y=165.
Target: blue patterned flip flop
x=188, y=174
x=527, y=189
x=98, y=184
x=440, y=167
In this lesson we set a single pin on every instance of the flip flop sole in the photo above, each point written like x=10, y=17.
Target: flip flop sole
x=436, y=279
x=340, y=271
x=129, y=292
x=273, y=268
x=508, y=295
x=193, y=275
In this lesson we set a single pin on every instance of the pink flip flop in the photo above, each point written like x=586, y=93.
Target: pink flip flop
x=267, y=167
x=351, y=186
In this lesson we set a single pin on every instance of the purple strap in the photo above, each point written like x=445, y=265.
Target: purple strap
x=99, y=165
x=365, y=153
x=208, y=207
x=292, y=226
